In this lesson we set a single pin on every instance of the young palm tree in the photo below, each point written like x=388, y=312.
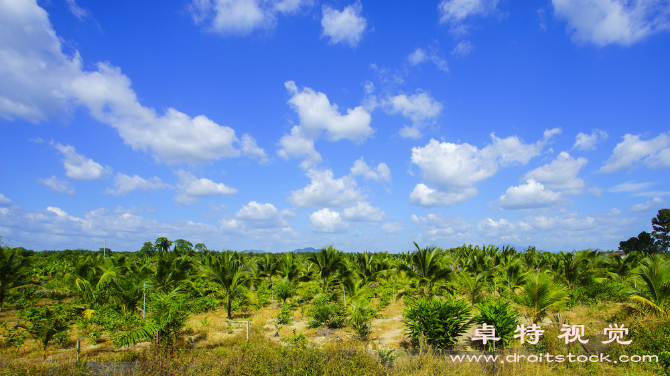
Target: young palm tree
x=330, y=266
x=619, y=268
x=230, y=273
x=473, y=284
x=45, y=328
x=11, y=273
x=426, y=267
x=655, y=274
x=539, y=294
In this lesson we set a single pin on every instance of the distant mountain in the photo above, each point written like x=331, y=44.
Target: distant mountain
x=305, y=250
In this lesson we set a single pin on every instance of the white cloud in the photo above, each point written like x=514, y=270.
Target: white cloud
x=560, y=174
x=603, y=22
x=250, y=149
x=296, y=145
x=4, y=201
x=596, y=191
x=587, y=142
x=455, y=168
x=463, y=48
x=656, y=201
x=346, y=26
x=382, y=174
x=241, y=17
x=125, y=184
x=392, y=228
x=528, y=196
x=629, y=152
x=324, y=190
x=257, y=215
x=57, y=185
x=427, y=197
x=420, y=56
x=501, y=227
x=40, y=82
x=446, y=164
x=362, y=212
x=326, y=220
x=318, y=115
x=418, y=107
x=630, y=186
x=191, y=188
x=441, y=226
x=79, y=167
x=570, y=223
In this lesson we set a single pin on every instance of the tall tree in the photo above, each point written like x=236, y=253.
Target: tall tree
x=661, y=231
x=163, y=244
x=642, y=243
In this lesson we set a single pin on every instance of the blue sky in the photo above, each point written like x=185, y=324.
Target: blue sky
x=283, y=124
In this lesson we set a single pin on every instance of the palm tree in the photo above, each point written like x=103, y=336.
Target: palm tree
x=655, y=274
x=172, y=271
x=426, y=267
x=11, y=273
x=45, y=328
x=619, y=268
x=230, y=273
x=539, y=294
x=330, y=266
x=473, y=284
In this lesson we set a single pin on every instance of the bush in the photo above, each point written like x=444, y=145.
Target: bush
x=283, y=290
x=325, y=312
x=592, y=292
x=285, y=314
x=502, y=316
x=441, y=321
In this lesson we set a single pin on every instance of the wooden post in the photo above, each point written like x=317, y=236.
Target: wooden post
x=247, y=331
x=78, y=348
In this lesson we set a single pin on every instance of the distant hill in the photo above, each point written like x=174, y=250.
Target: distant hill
x=305, y=250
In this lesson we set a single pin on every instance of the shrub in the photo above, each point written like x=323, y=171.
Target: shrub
x=283, y=290
x=592, y=292
x=285, y=314
x=502, y=317
x=325, y=312
x=441, y=321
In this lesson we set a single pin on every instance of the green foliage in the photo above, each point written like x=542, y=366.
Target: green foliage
x=285, y=313
x=283, y=290
x=325, y=312
x=502, y=316
x=386, y=356
x=308, y=292
x=43, y=324
x=361, y=315
x=298, y=340
x=440, y=321
x=539, y=294
x=12, y=336
x=642, y=243
x=661, y=233
x=592, y=292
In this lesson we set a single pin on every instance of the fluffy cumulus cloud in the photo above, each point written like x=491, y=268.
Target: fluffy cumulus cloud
x=317, y=116
x=382, y=173
x=421, y=56
x=257, y=215
x=633, y=151
x=560, y=174
x=531, y=195
x=455, y=168
x=346, y=26
x=4, y=201
x=655, y=202
x=57, y=185
x=78, y=167
x=604, y=22
x=326, y=191
x=296, y=145
x=587, y=142
x=41, y=82
x=241, y=17
x=125, y=184
x=329, y=221
x=250, y=149
x=191, y=188
x=362, y=212
x=501, y=228
x=419, y=108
